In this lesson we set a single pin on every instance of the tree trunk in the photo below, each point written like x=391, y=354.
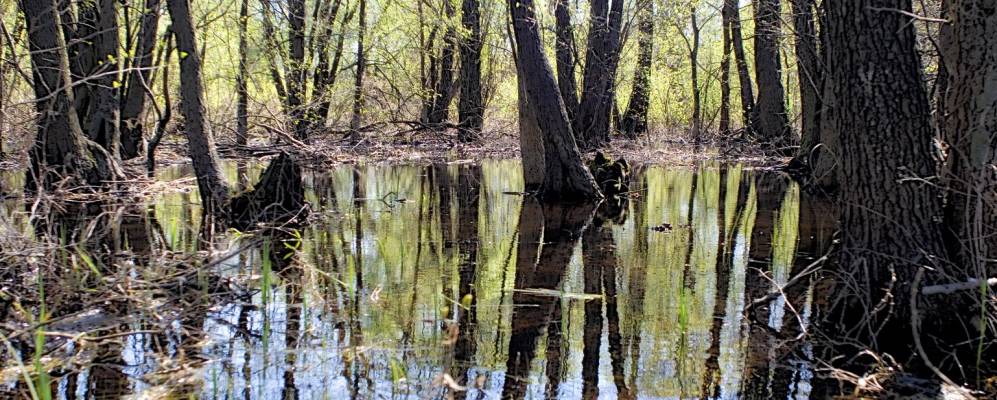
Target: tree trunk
x=725, y=130
x=970, y=130
x=200, y=142
x=325, y=77
x=139, y=82
x=565, y=176
x=879, y=107
x=470, y=110
x=361, y=68
x=60, y=149
x=592, y=122
x=635, y=119
x=732, y=18
x=530, y=139
x=808, y=69
x=297, y=70
x=565, y=57
x=241, y=81
x=445, y=81
x=697, y=119
x=769, y=122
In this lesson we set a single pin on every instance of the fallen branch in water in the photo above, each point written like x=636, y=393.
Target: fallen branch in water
x=949, y=288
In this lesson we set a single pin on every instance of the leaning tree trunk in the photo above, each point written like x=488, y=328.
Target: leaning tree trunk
x=770, y=122
x=889, y=223
x=732, y=18
x=200, y=142
x=565, y=176
x=635, y=119
x=470, y=110
x=60, y=149
x=565, y=57
x=808, y=69
x=591, y=124
x=297, y=69
x=970, y=130
x=139, y=84
x=530, y=136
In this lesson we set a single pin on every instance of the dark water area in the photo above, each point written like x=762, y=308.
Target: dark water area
x=421, y=281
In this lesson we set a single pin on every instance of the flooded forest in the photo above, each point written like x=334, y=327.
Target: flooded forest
x=485, y=199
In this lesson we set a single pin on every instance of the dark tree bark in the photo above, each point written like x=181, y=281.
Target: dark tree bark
x=889, y=224
x=591, y=125
x=445, y=81
x=361, y=68
x=530, y=140
x=565, y=176
x=725, y=130
x=105, y=113
x=564, y=46
x=634, y=121
x=133, y=107
x=732, y=18
x=470, y=109
x=297, y=70
x=697, y=119
x=241, y=80
x=325, y=77
x=769, y=121
x=808, y=68
x=200, y=141
x=970, y=129
x=60, y=149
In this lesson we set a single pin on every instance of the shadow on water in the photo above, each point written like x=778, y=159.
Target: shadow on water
x=420, y=282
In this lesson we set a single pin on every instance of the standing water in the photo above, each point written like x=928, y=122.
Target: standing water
x=414, y=281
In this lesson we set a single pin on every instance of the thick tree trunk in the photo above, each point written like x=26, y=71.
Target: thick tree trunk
x=361, y=69
x=889, y=224
x=635, y=119
x=297, y=79
x=769, y=121
x=445, y=81
x=60, y=149
x=241, y=80
x=139, y=82
x=530, y=140
x=565, y=57
x=565, y=176
x=200, y=141
x=470, y=109
x=732, y=18
x=592, y=125
x=970, y=130
x=808, y=69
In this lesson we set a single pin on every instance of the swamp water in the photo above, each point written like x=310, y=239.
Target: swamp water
x=412, y=281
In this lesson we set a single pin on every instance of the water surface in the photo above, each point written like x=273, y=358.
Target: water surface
x=429, y=281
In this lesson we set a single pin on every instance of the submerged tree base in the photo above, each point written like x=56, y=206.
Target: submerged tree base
x=278, y=197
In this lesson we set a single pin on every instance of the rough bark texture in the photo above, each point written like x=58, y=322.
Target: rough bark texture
x=564, y=46
x=470, y=109
x=139, y=81
x=241, y=80
x=565, y=176
x=530, y=140
x=971, y=132
x=634, y=120
x=732, y=18
x=296, y=68
x=697, y=119
x=880, y=108
x=60, y=149
x=808, y=69
x=591, y=124
x=200, y=142
x=769, y=121
x=444, y=80
x=278, y=197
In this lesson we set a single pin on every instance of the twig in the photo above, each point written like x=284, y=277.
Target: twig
x=949, y=288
